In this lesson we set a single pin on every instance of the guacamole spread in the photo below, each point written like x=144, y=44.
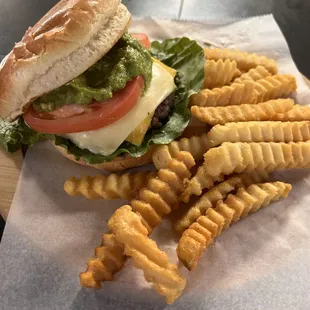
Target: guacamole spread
x=126, y=60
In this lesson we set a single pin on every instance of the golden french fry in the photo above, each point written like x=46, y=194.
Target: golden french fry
x=198, y=183
x=254, y=74
x=235, y=94
x=113, y=186
x=219, y=73
x=259, y=132
x=200, y=234
x=109, y=258
x=263, y=156
x=237, y=73
x=216, y=193
x=297, y=113
x=196, y=146
x=242, y=113
x=162, y=194
x=129, y=230
x=245, y=61
x=246, y=92
x=274, y=87
x=153, y=202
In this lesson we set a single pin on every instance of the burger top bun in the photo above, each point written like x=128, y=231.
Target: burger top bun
x=64, y=43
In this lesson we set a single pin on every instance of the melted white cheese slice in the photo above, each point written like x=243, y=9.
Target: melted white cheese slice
x=107, y=139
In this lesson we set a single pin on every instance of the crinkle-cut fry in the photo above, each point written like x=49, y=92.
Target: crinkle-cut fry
x=129, y=230
x=151, y=204
x=200, y=181
x=218, y=73
x=162, y=195
x=218, y=192
x=237, y=73
x=259, y=132
x=113, y=186
x=274, y=87
x=297, y=113
x=243, y=113
x=254, y=74
x=234, y=94
x=196, y=146
x=263, y=156
x=200, y=234
x=245, y=61
x=109, y=258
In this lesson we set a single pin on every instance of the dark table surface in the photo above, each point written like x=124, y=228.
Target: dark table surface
x=293, y=16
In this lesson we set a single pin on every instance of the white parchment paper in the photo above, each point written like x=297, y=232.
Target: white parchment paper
x=263, y=262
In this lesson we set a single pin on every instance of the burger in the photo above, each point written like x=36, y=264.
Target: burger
x=104, y=97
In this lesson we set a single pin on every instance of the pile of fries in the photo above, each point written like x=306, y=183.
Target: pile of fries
x=256, y=130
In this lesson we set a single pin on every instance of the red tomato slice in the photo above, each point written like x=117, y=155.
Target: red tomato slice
x=142, y=38
x=95, y=116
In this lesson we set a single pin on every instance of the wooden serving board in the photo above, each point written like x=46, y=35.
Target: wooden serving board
x=10, y=167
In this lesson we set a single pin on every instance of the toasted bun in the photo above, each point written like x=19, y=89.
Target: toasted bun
x=118, y=164
x=68, y=40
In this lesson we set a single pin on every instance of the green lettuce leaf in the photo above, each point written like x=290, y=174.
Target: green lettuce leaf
x=182, y=54
x=14, y=134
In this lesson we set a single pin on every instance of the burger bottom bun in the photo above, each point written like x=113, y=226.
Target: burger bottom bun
x=118, y=164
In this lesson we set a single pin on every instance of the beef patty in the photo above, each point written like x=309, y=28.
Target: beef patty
x=162, y=112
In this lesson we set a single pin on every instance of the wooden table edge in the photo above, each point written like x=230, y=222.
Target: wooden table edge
x=10, y=167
